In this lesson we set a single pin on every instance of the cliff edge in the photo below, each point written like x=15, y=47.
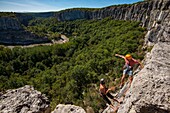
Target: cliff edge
x=150, y=90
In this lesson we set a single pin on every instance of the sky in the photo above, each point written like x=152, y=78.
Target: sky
x=56, y=5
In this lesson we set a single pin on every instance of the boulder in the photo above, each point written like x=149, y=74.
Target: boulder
x=61, y=108
x=24, y=100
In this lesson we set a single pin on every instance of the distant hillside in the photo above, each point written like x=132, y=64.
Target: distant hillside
x=13, y=32
x=15, y=27
x=141, y=12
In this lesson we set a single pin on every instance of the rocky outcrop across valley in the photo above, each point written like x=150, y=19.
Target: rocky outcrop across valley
x=9, y=23
x=145, y=12
x=12, y=32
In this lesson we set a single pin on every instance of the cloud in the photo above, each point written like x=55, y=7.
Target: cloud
x=14, y=3
x=26, y=6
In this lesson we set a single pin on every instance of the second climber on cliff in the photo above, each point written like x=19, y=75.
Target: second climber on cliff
x=104, y=92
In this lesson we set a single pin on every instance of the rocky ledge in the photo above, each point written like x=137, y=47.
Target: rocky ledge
x=24, y=100
x=61, y=108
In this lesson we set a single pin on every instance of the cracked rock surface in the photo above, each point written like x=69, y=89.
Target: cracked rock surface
x=24, y=100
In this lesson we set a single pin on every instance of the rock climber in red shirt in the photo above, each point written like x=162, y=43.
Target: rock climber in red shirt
x=128, y=68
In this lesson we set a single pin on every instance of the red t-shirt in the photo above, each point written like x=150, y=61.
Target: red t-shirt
x=131, y=62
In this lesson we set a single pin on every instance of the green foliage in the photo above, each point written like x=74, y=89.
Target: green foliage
x=70, y=72
x=43, y=27
x=7, y=14
x=80, y=9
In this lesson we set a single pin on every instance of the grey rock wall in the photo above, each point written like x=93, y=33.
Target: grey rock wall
x=24, y=100
x=139, y=12
x=150, y=90
x=12, y=32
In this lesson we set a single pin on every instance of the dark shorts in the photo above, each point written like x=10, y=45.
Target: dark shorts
x=105, y=97
x=128, y=72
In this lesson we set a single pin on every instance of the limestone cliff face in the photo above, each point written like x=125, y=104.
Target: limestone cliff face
x=73, y=15
x=12, y=32
x=150, y=90
x=20, y=37
x=24, y=18
x=7, y=23
x=145, y=12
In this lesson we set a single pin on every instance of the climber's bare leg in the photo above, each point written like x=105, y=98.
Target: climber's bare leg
x=130, y=80
x=122, y=80
x=114, y=108
x=114, y=99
